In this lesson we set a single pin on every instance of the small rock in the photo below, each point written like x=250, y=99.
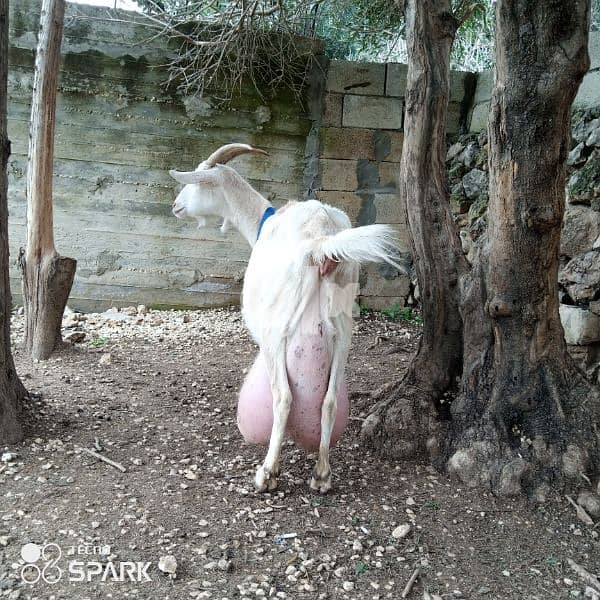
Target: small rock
x=474, y=183
x=168, y=564
x=581, y=228
x=4, y=539
x=8, y=457
x=348, y=586
x=576, y=155
x=581, y=325
x=401, y=531
x=74, y=337
x=593, y=138
x=580, y=277
x=454, y=151
x=590, y=502
x=105, y=359
x=584, y=185
x=142, y=310
x=469, y=155
x=224, y=565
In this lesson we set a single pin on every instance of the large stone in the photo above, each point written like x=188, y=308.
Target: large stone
x=349, y=202
x=593, y=138
x=581, y=227
x=576, y=155
x=581, y=325
x=581, y=126
x=373, y=112
x=389, y=209
x=332, y=110
x=584, y=185
x=339, y=142
x=581, y=277
x=379, y=291
x=388, y=174
x=594, y=49
x=485, y=84
x=348, y=77
x=395, y=84
x=474, y=183
x=479, y=117
x=454, y=151
x=469, y=155
x=587, y=95
x=454, y=124
x=338, y=174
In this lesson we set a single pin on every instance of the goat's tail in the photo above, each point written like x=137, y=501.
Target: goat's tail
x=369, y=243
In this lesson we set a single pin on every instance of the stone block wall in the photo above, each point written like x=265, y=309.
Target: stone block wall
x=360, y=132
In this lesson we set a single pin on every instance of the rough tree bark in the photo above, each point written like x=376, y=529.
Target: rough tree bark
x=11, y=389
x=526, y=418
x=404, y=424
x=47, y=276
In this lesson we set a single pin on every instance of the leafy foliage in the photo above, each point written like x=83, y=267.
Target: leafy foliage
x=222, y=43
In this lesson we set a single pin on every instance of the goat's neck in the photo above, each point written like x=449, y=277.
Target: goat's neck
x=245, y=207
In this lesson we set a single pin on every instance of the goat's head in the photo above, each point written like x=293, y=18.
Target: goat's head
x=203, y=193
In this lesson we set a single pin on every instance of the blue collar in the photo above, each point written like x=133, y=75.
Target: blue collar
x=269, y=212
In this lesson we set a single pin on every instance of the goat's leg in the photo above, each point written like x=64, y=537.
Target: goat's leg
x=321, y=479
x=266, y=475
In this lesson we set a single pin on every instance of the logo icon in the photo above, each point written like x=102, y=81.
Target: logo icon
x=50, y=572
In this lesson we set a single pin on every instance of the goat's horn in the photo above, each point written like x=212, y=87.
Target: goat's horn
x=225, y=153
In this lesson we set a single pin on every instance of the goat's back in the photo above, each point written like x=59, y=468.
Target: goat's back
x=283, y=288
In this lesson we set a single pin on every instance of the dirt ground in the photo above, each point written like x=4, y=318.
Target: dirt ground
x=157, y=394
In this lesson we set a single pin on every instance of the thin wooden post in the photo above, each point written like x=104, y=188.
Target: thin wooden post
x=47, y=276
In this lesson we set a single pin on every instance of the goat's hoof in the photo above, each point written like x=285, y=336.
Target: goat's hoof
x=265, y=481
x=321, y=484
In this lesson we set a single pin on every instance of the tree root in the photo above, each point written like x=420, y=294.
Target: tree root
x=405, y=425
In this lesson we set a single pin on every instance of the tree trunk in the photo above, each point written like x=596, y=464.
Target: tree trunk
x=11, y=389
x=526, y=418
x=47, y=277
x=406, y=424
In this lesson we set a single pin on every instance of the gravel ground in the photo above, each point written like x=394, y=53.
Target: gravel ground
x=155, y=392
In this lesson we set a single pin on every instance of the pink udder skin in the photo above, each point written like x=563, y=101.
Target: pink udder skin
x=308, y=365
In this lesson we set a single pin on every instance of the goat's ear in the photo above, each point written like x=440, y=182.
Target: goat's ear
x=208, y=176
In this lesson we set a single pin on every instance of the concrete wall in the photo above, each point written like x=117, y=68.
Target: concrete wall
x=118, y=132
x=588, y=94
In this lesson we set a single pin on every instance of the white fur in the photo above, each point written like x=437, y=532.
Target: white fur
x=283, y=283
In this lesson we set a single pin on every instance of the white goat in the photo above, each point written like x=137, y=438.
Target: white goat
x=305, y=257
